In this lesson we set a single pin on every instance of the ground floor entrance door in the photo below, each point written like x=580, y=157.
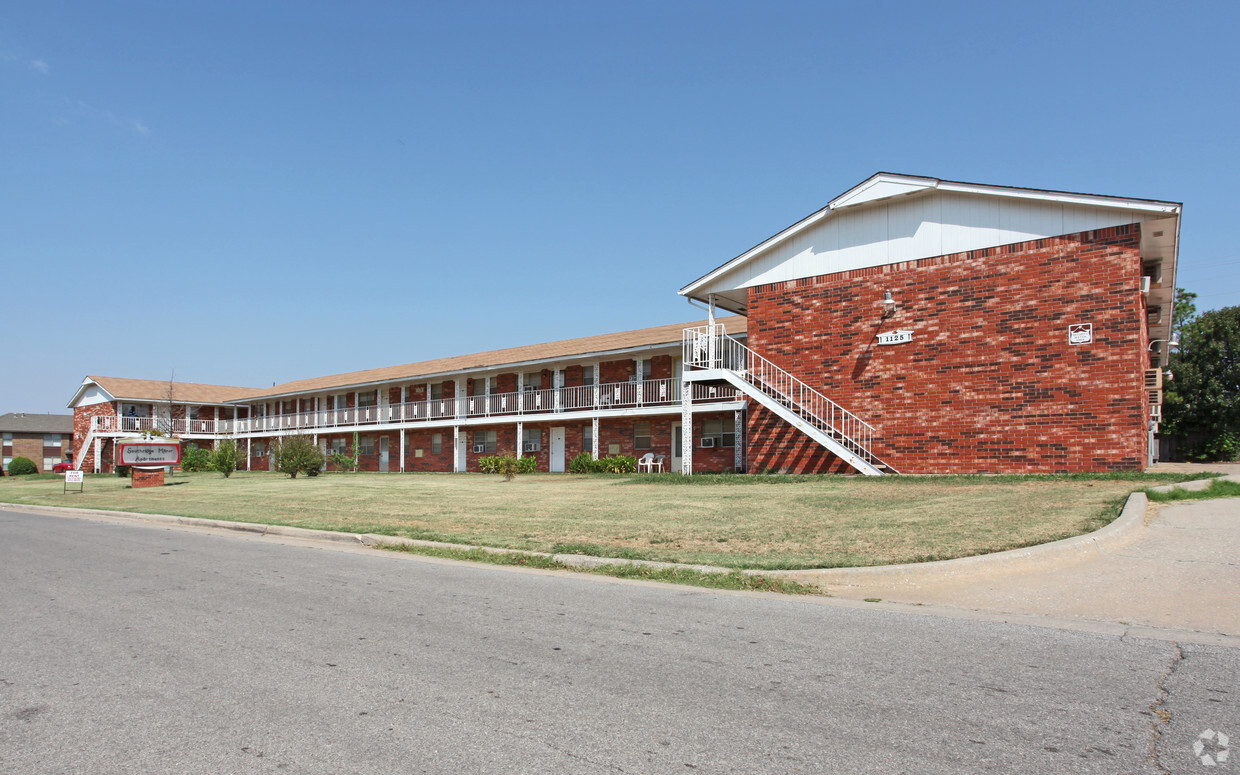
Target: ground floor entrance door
x=557, y=451
x=384, y=459
x=460, y=451
x=677, y=450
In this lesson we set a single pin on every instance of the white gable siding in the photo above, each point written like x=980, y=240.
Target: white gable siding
x=93, y=395
x=910, y=228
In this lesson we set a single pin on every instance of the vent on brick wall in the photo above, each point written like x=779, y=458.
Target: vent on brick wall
x=1155, y=397
x=1153, y=379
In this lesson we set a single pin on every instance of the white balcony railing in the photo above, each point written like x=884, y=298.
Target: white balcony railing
x=615, y=395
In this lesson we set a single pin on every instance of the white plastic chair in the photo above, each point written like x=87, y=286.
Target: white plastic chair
x=646, y=462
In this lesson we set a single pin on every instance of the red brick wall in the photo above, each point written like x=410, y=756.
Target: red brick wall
x=989, y=382
x=81, y=428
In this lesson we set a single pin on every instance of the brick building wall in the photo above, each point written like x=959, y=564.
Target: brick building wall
x=989, y=382
x=81, y=429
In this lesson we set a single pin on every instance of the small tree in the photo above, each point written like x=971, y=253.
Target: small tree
x=225, y=457
x=195, y=459
x=297, y=455
x=1202, y=401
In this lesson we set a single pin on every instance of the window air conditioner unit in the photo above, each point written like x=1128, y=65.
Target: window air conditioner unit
x=1146, y=281
x=531, y=446
x=709, y=441
x=1153, y=379
x=480, y=448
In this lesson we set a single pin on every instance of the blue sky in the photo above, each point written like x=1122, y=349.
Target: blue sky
x=255, y=192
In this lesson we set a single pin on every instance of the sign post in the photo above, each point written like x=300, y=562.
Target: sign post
x=74, y=477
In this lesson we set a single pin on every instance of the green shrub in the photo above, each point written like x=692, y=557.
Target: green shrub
x=122, y=471
x=195, y=459
x=489, y=464
x=620, y=464
x=341, y=461
x=297, y=455
x=225, y=458
x=527, y=465
x=508, y=465
x=21, y=466
x=584, y=464
x=1224, y=448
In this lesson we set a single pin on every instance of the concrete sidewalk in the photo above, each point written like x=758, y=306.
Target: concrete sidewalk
x=1180, y=570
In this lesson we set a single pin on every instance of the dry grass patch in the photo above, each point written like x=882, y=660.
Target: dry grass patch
x=749, y=523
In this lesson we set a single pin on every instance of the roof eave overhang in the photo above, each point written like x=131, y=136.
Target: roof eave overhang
x=911, y=185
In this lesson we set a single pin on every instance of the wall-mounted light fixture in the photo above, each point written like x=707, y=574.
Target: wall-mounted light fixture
x=889, y=304
x=1156, y=345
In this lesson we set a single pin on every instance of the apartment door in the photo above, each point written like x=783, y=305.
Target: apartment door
x=557, y=451
x=677, y=450
x=383, y=455
x=461, y=447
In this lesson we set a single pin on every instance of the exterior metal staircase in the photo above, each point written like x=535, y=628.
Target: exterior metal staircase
x=711, y=355
x=84, y=450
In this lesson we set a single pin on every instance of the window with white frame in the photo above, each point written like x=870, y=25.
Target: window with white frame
x=641, y=436
x=8, y=440
x=587, y=438
x=338, y=447
x=720, y=432
x=366, y=398
x=436, y=391
x=436, y=443
x=587, y=375
x=51, y=440
x=367, y=445
x=259, y=449
x=648, y=368
x=484, y=442
x=531, y=381
x=531, y=440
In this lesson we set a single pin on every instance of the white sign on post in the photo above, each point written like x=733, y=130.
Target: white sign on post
x=73, y=477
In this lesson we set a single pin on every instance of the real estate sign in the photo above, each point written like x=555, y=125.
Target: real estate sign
x=148, y=454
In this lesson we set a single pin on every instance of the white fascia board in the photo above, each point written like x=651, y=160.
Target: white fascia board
x=1064, y=197
x=796, y=228
x=86, y=384
x=884, y=185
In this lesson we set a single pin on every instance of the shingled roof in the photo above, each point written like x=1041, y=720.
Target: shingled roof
x=565, y=348
x=27, y=422
x=182, y=392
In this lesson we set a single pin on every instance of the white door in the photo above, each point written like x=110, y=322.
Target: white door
x=383, y=455
x=460, y=451
x=676, y=448
x=557, y=451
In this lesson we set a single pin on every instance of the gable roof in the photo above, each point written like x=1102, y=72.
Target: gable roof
x=729, y=280
x=25, y=422
x=126, y=389
x=507, y=358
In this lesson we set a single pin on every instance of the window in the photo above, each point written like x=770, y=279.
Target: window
x=367, y=398
x=532, y=441
x=135, y=410
x=7, y=460
x=721, y=432
x=259, y=449
x=532, y=381
x=8, y=439
x=587, y=375
x=436, y=391
x=338, y=447
x=51, y=440
x=484, y=442
x=641, y=436
x=647, y=368
x=367, y=444
x=587, y=438
x=436, y=443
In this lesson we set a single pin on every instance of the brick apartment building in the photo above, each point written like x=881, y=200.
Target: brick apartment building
x=912, y=325
x=46, y=439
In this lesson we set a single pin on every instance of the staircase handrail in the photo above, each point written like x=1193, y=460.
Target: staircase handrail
x=710, y=347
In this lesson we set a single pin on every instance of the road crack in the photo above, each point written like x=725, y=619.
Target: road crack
x=1162, y=716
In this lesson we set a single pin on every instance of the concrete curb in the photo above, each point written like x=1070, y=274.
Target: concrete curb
x=1120, y=533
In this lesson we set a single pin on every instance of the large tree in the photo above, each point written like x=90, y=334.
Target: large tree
x=1203, y=399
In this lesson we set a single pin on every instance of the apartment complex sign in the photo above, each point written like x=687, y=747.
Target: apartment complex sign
x=148, y=454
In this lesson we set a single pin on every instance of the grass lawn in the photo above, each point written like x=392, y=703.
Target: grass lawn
x=760, y=522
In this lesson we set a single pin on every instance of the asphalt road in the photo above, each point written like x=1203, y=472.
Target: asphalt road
x=132, y=648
